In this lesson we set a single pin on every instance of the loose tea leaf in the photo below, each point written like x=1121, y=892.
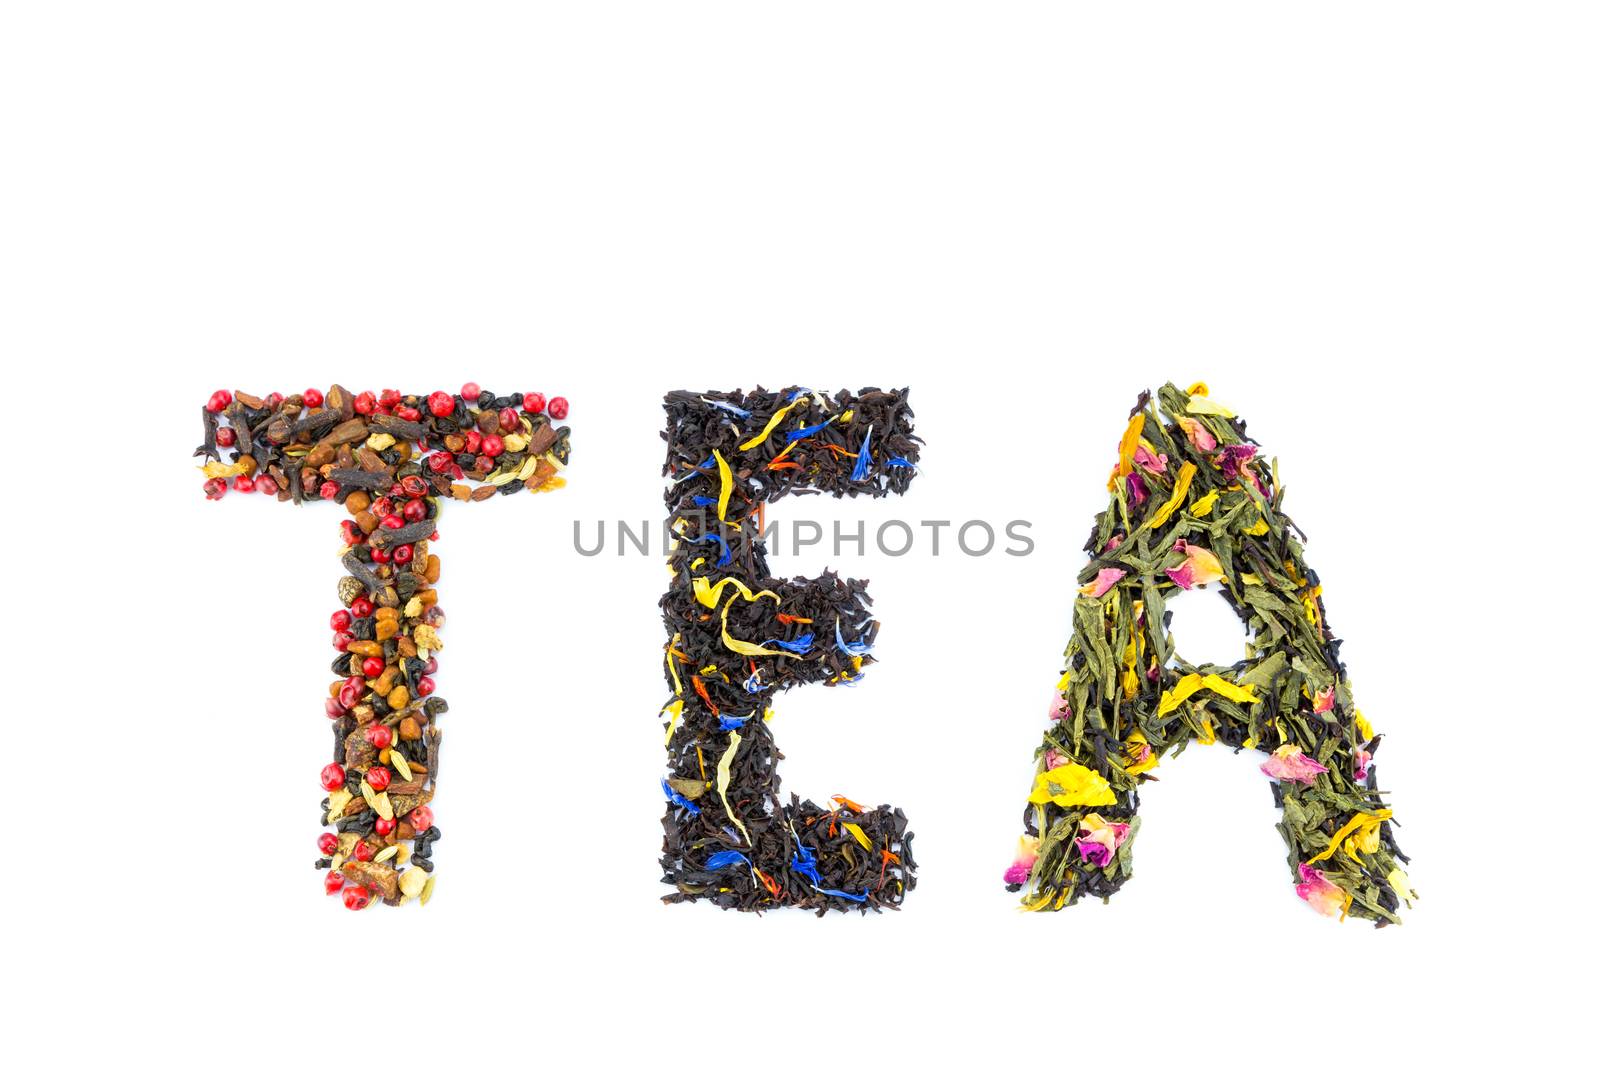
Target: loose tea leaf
x=389, y=459
x=737, y=636
x=1191, y=503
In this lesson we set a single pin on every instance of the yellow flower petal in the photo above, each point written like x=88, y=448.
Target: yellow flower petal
x=676, y=708
x=1187, y=686
x=725, y=775
x=1190, y=684
x=727, y=486
x=677, y=683
x=1202, y=507
x=710, y=595
x=857, y=833
x=1180, y=489
x=1400, y=882
x=746, y=648
x=1361, y=821
x=1129, y=444
x=1072, y=786
x=1141, y=752
x=772, y=423
x=1239, y=694
x=1039, y=901
x=1200, y=404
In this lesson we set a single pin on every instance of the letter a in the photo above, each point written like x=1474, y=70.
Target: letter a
x=1191, y=504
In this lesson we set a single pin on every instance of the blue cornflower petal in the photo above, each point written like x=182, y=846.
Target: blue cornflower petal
x=800, y=645
x=854, y=648
x=900, y=461
x=704, y=501
x=679, y=799
x=727, y=858
x=702, y=468
x=732, y=722
x=725, y=406
x=840, y=893
x=863, y=458
x=796, y=435
x=804, y=863
x=727, y=550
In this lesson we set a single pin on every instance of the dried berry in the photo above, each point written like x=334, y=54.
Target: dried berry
x=332, y=777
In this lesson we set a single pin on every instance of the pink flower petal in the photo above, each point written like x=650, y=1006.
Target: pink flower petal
x=1201, y=567
x=1027, y=856
x=1103, y=581
x=1058, y=706
x=1316, y=890
x=1197, y=433
x=1099, y=840
x=1094, y=852
x=1290, y=764
x=1151, y=461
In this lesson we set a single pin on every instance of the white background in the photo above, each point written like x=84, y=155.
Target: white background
x=1372, y=228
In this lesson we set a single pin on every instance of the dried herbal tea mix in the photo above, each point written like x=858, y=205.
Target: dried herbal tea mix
x=390, y=459
x=737, y=636
x=1192, y=503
